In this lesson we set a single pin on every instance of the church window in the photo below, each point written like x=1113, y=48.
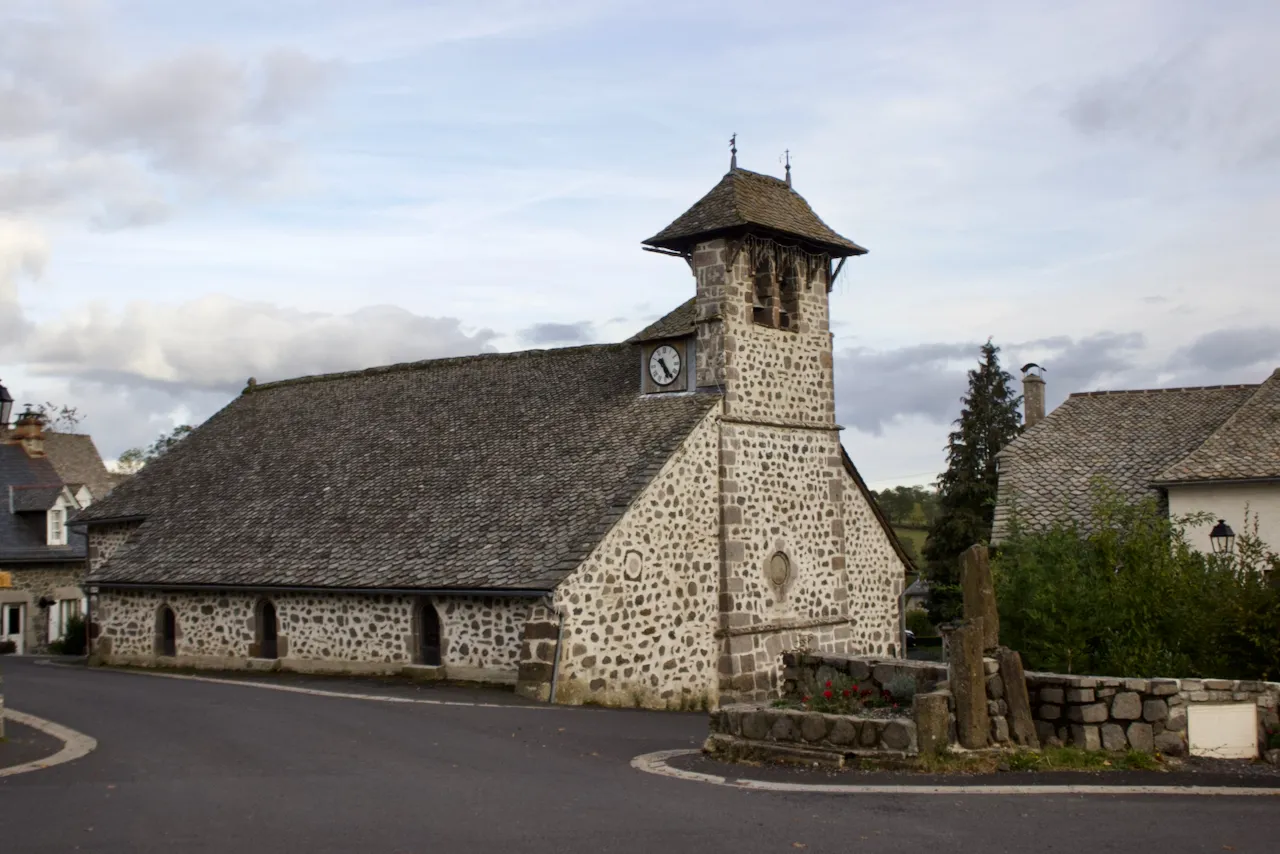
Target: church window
x=789, y=297
x=166, y=632
x=778, y=570
x=764, y=298
x=267, y=630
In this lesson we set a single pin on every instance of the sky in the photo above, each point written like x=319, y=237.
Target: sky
x=194, y=194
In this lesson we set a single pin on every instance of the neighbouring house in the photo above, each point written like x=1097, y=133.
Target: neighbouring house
x=916, y=596
x=1209, y=449
x=44, y=478
x=645, y=523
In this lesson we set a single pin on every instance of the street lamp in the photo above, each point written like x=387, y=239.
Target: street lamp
x=6, y=406
x=1222, y=538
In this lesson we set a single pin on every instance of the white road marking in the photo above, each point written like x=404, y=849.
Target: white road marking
x=316, y=692
x=656, y=763
x=74, y=744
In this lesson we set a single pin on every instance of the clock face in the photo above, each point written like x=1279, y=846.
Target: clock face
x=664, y=365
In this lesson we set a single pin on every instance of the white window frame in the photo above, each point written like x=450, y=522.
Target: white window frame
x=57, y=517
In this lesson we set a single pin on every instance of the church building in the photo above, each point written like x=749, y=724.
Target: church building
x=646, y=523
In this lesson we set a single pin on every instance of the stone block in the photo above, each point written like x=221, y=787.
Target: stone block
x=990, y=666
x=1139, y=685
x=1198, y=696
x=1170, y=744
x=1046, y=732
x=1086, y=737
x=896, y=735
x=784, y=729
x=1217, y=684
x=869, y=733
x=1113, y=737
x=1091, y=714
x=755, y=726
x=1103, y=693
x=813, y=727
x=993, y=708
x=1177, y=720
x=1083, y=682
x=1080, y=695
x=980, y=593
x=933, y=717
x=1155, y=710
x=1164, y=687
x=859, y=671
x=1049, y=712
x=1000, y=730
x=995, y=687
x=1141, y=737
x=1189, y=685
x=843, y=732
x=1127, y=706
x=1051, y=695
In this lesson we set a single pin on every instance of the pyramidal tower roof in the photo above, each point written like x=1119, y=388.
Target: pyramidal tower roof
x=745, y=200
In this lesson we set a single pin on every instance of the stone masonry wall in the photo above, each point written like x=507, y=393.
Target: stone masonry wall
x=1143, y=714
x=875, y=576
x=39, y=581
x=640, y=612
x=105, y=539
x=317, y=630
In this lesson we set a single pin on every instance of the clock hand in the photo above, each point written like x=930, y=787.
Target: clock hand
x=665, y=369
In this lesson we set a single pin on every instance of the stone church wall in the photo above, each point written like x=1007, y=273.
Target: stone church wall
x=875, y=576
x=337, y=632
x=640, y=613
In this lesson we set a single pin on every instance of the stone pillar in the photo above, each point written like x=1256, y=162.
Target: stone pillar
x=980, y=593
x=968, y=682
x=1022, y=727
x=538, y=652
x=932, y=714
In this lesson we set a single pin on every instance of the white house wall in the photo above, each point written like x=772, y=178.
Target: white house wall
x=1228, y=502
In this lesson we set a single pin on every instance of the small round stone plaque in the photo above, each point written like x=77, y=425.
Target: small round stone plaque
x=779, y=570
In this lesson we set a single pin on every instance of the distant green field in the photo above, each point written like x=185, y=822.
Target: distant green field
x=915, y=535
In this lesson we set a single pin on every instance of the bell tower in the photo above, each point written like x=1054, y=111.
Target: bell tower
x=764, y=264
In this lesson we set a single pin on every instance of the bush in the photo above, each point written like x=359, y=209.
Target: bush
x=902, y=688
x=1130, y=597
x=73, y=639
x=918, y=622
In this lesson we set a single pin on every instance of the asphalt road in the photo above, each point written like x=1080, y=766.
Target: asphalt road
x=193, y=766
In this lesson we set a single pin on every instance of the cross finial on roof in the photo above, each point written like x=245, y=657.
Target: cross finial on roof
x=733, y=151
x=787, y=154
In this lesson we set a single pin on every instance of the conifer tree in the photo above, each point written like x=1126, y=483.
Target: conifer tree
x=989, y=420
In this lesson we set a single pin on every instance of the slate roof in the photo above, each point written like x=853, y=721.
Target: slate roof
x=493, y=472
x=744, y=198
x=676, y=323
x=1245, y=447
x=32, y=498
x=24, y=535
x=76, y=460
x=1127, y=438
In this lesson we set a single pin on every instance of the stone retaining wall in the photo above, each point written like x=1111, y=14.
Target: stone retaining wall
x=804, y=674
x=1105, y=713
x=753, y=726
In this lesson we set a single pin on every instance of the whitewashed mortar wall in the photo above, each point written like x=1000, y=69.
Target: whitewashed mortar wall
x=640, y=613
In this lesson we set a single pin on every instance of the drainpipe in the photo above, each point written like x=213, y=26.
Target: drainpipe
x=555, y=662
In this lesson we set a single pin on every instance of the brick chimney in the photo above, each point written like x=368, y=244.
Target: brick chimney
x=1032, y=394
x=29, y=433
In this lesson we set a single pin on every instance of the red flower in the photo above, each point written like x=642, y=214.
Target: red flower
x=805, y=700
x=847, y=692
x=827, y=694
x=828, y=685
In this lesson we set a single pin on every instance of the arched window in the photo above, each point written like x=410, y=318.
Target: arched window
x=166, y=632
x=789, y=297
x=267, y=630
x=764, y=297
x=429, y=635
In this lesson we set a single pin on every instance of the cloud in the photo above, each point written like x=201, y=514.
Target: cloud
x=216, y=343
x=541, y=334
x=88, y=130
x=877, y=389
x=23, y=253
x=1230, y=350
x=1213, y=95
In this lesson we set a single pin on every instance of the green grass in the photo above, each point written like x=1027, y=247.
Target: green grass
x=1050, y=759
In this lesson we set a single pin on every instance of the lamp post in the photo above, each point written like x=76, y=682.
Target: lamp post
x=6, y=406
x=1222, y=538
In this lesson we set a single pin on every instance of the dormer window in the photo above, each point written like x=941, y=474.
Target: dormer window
x=58, y=526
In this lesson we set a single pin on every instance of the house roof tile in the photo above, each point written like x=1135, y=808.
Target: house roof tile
x=673, y=324
x=35, y=485
x=1245, y=447
x=1126, y=438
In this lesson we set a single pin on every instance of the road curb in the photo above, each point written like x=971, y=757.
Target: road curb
x=657, y=763
x=74, y=744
